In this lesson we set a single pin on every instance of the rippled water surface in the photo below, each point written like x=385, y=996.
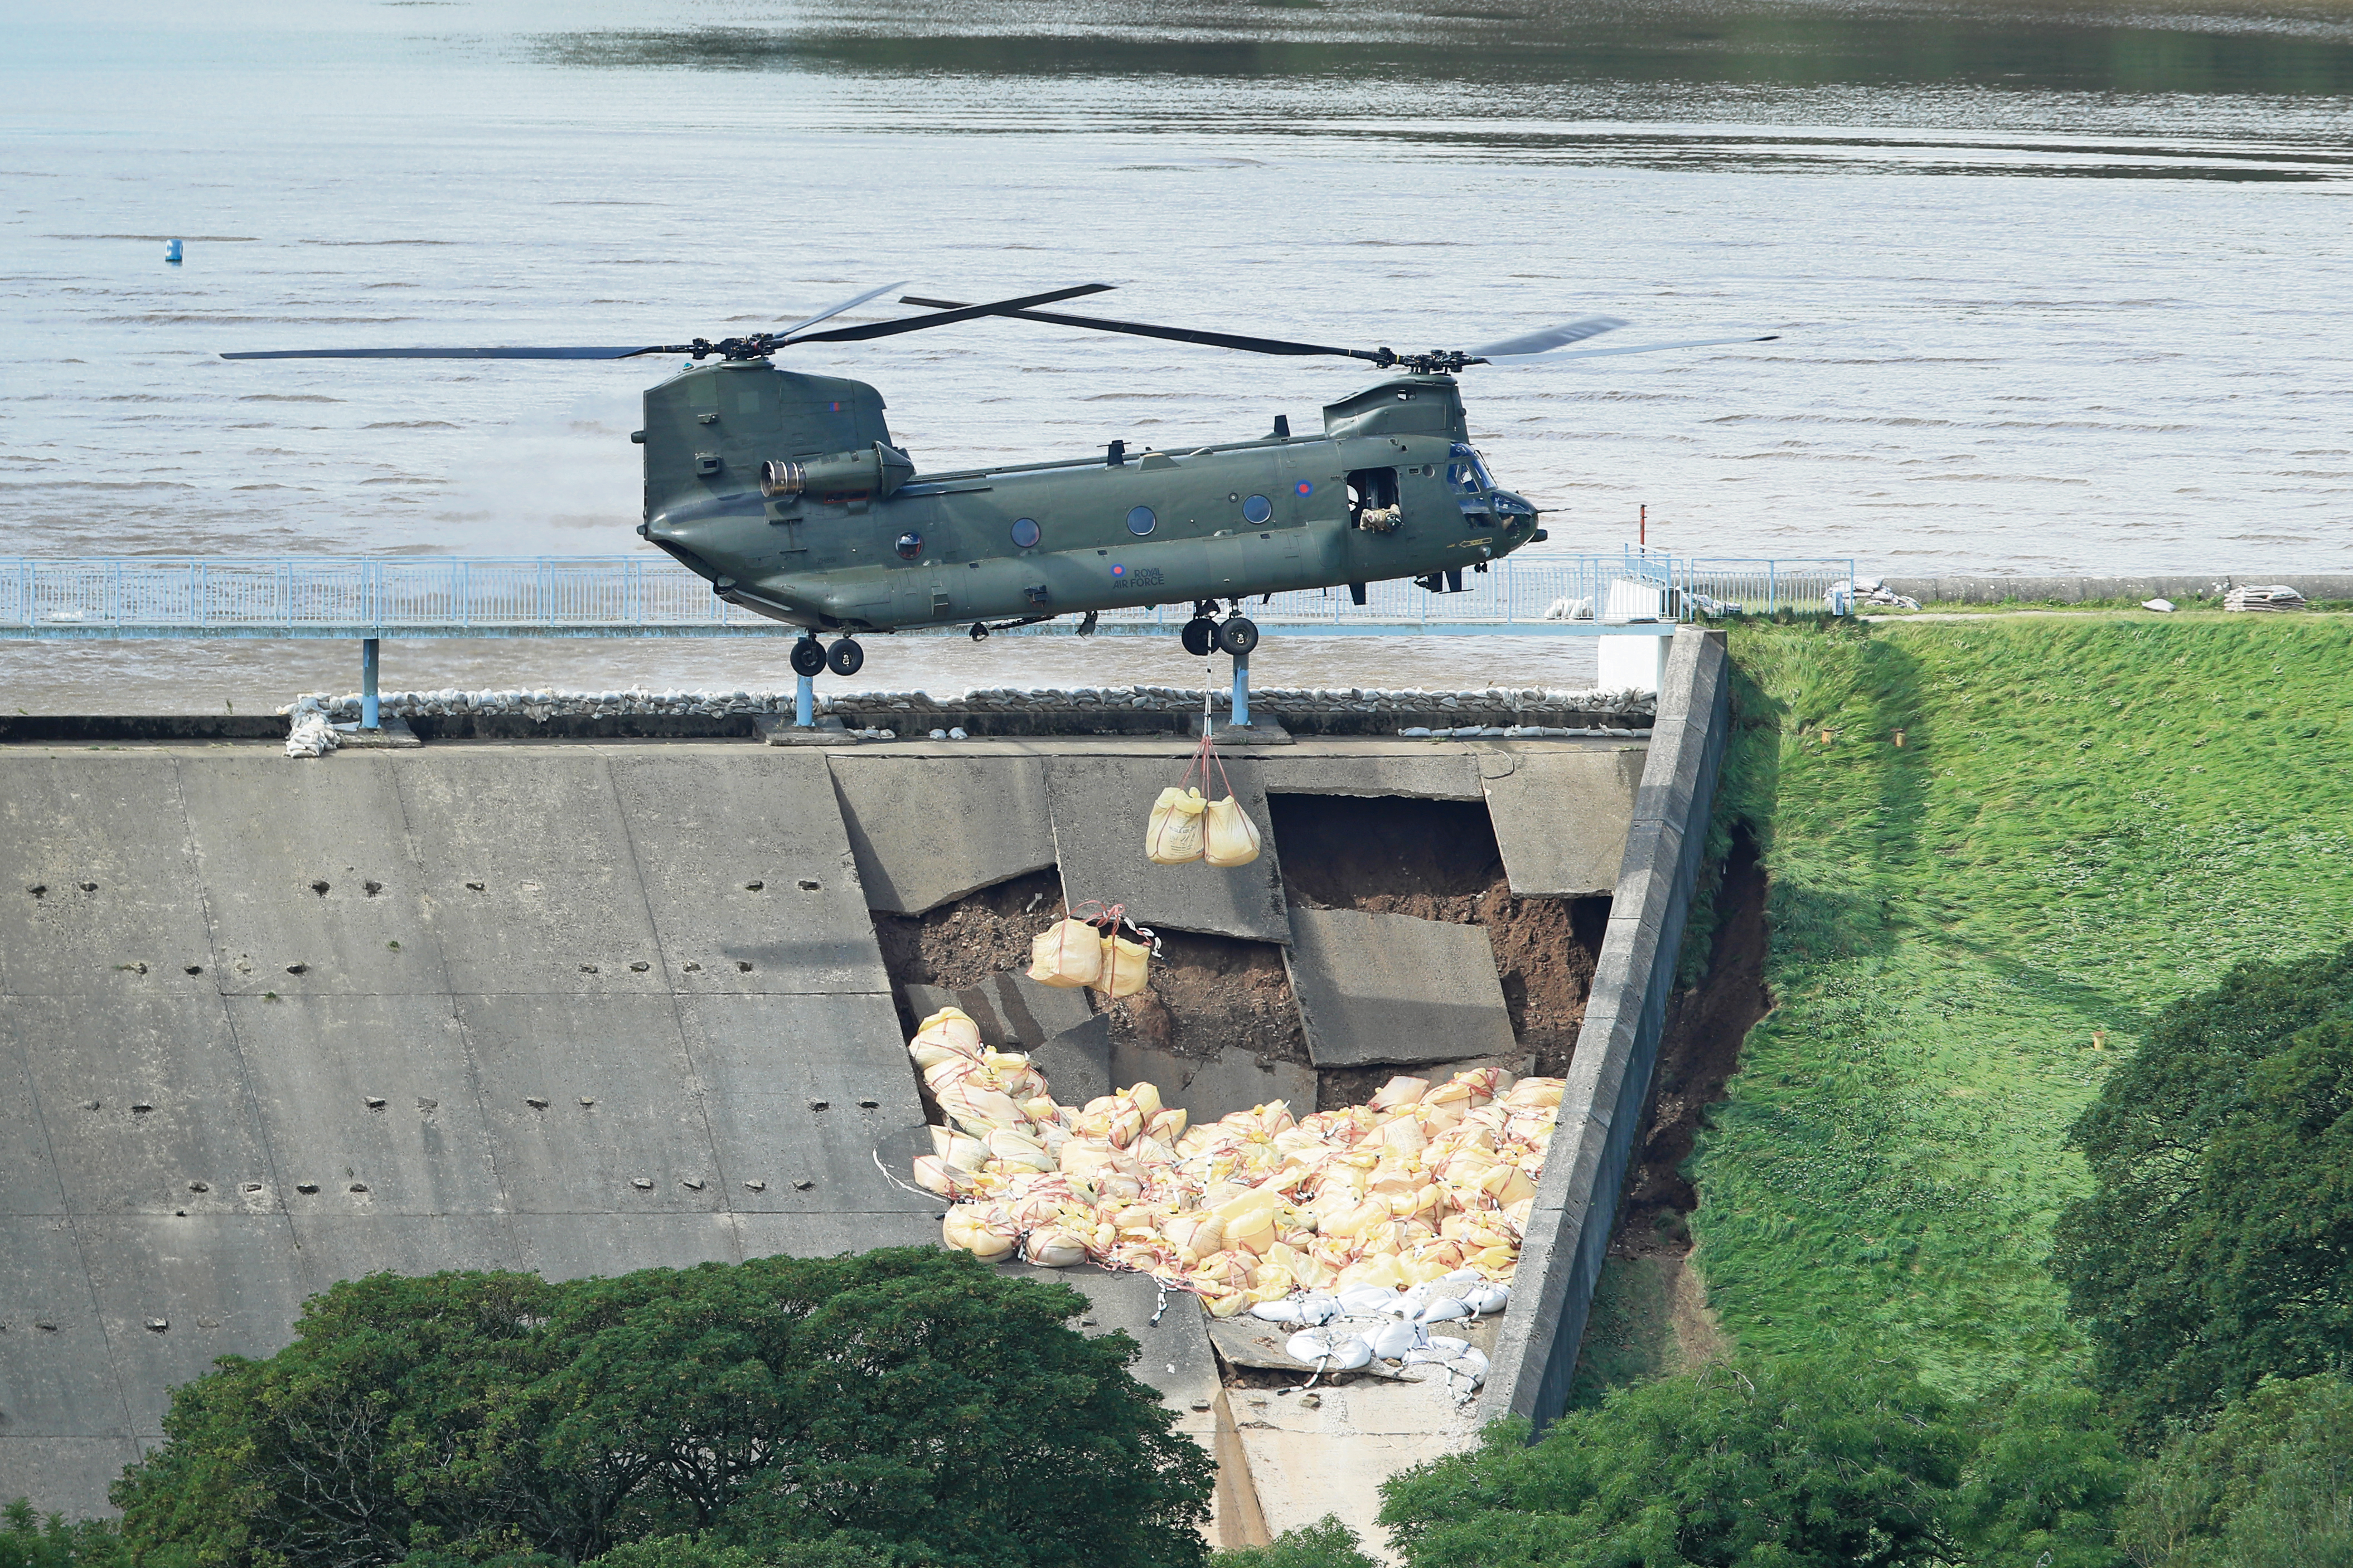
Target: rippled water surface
x=2057, y=291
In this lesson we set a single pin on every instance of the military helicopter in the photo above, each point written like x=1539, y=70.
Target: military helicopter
x=786, y=492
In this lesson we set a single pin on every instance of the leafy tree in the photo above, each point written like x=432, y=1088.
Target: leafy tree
x=2217, y=1245
x=1801, y=1462
x=29, y=1540
x=2269, y=1485
x=910, y=1402
x=2044, y=1483
x=1326, y=1543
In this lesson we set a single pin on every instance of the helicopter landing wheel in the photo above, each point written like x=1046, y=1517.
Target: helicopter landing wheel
x=1237, y=636
x=1200, y=637
x=809, y=657
x=845, y=658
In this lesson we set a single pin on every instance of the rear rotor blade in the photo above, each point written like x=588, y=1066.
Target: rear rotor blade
x=1635, y=349
x=1550, y=338
x=961, y=313
x=1171, y=334
x=607, y=353
x=788, y=335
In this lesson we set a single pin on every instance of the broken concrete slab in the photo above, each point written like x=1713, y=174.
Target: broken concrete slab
x=1391, y=988
x=1561, y=817
x=1068, y=1040
x=1077, y=1062
x=1100, y=806
x=1234, y=1079
x=914, y=853
x=1426, y=774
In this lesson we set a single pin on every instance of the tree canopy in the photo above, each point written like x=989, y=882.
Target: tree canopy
x=909, y=1405
x=2217, y=1243
x=1798, y=1462
x=2269, y=1485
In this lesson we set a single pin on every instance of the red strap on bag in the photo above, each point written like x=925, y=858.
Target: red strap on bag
x=1205, y=756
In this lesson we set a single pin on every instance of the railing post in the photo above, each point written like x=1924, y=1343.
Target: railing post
x=368, y=661
x=805, y=702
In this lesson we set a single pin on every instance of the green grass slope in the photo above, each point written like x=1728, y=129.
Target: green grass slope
x=2084, y=821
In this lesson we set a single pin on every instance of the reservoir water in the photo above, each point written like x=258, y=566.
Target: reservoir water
x=2058, y=289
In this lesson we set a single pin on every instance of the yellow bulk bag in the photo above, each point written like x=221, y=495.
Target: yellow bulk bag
x=1069, y=955
x=1172, y=834
x=1126, y=967
x=979, y=1229
x=1228, y=838
x=1053, y=1247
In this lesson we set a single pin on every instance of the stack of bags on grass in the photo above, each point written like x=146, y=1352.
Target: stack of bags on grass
x=1430, y=1186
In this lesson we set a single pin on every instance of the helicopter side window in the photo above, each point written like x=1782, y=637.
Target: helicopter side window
x=1373, y=500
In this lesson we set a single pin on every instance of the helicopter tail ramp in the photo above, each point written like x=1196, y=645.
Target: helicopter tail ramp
x=585, y=1006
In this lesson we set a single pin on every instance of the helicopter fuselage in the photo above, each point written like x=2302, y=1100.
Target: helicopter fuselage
x=784, y=491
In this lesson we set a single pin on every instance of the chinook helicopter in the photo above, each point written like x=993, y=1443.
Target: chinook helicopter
x=785, y=492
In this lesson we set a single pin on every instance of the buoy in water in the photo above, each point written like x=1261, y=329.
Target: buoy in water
x=172, y=251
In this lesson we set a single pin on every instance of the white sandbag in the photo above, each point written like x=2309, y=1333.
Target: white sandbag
x=1474, y=1362
x=1314, y=1308
x=1229, y=837
x=1485, y=1299
x=1391, y=1340
x=1446, y=1345
x=1351, y=1353
x=1284, y=1311
x=1367, y=1300
x=1457, y=1281
x=1172, y=834
x=1068, y=954
x=1442, y=1309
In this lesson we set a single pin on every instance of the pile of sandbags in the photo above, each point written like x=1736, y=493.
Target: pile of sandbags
x=2263, y=598
x=1427, y=1182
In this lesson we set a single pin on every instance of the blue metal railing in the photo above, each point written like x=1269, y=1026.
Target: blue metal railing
x=627, y=596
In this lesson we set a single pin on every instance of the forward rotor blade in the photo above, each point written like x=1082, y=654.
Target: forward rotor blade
x=1635, y=349
x=450, y=353
x=1529, y=343
x=1173, y=334
x=961, y=313
x=788, y=335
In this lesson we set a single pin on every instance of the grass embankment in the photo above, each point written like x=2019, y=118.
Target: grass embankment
x=2082, y=822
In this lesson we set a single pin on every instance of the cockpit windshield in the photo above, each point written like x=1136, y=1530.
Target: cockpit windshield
x=1466, y=471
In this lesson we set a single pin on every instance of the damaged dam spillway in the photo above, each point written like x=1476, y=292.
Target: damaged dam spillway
x=582, y=1007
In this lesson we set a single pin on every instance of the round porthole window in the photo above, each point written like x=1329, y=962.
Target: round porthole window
x=1141, y=522
x=1025, y=531
x=1258, y=508
x=910, y=546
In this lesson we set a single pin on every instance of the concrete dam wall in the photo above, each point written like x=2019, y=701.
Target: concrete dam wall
x=585, y=1007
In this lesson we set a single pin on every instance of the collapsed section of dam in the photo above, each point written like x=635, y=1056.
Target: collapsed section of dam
x=583, y=1006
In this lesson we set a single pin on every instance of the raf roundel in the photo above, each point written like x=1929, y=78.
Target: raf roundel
x=1119, y=570
x=1307, y=488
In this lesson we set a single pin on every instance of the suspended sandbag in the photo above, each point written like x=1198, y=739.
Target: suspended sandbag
x=1068, y=954
x=1126, y=965
x=1228, y=838
x=1172, y=834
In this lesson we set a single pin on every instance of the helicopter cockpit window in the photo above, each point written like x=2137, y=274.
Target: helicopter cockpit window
x=910, y=546
x=1141, y=522
x=1466, y=471
x=1257, y=509
x=1024, y=532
